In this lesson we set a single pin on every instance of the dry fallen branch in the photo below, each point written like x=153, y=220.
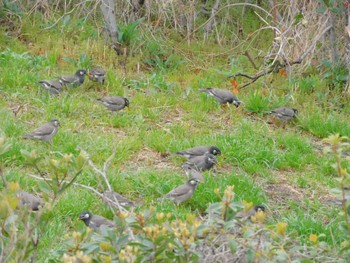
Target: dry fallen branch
x=114, y=203
x=285, y=50
x=264, y=73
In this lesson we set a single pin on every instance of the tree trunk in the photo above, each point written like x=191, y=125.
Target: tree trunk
x=108, y=11
x=211, y=23
x=347, y=50
x=136, y=8
x=332, y=38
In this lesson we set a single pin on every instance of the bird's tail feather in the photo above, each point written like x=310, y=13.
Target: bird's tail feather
x=204, y=90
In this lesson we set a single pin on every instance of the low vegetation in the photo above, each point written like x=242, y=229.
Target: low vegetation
x=298, y=172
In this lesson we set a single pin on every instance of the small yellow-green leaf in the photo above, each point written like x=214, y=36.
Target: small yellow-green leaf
x=313, y=238
x=13, y=186
x=281, y=228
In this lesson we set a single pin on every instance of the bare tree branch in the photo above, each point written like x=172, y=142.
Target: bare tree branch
x=108, y=11
x=113, y=201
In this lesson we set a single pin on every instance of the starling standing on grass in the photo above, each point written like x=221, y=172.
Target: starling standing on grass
x=73, y=80
x=28, y=199
x=98, y=75
x=53, y=86
x=109, y=198
x=202, y=163
x=198, y=151
x=45, y=132
x=94, y=221
x=192, y=173
x=183, y=192
x=222, y=96
x=114, y=103
x=284, y=114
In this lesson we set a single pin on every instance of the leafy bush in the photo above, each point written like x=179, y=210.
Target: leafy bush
x=322, y=126
x=84, y=62
x=159, y=58
x=308, y=84
x=156, y=80
x=222, y=236
x=336, y=75
x=128, y=33
x=257, y=102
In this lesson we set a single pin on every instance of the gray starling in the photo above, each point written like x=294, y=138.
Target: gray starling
x=45, y=132
x=198, y=151
x=192, y=173
x=73, y=80
x=27, y=199
x=94, y=221
x=110, y=196
x=114, y=103
x=203, y=162
x=53, y=86
x=183, y=192
x=250, y=213
x=97, y=74
x=222, y=96
x=284, y=114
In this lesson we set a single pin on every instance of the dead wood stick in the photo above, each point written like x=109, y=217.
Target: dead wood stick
x=264, y=73
x=279, y=66
x=250, y=59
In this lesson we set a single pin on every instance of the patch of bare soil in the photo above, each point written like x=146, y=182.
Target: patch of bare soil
x=172, y=116
x=318, y=144
x=282, y=191
x=147, y=158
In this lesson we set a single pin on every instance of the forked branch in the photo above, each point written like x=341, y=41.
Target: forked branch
x=279, y=66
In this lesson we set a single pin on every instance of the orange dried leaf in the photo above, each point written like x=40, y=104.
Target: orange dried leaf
x=196, y=70
x=282, y=72
x=234, y=83
x=235, y=91
x=264, y=91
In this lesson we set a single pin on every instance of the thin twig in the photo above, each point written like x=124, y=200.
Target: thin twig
x=108, y=162
x=101, y=195
x=279, y=66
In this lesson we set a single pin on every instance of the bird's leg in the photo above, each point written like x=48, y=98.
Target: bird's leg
x=224, y=106
x=275, y=122
x=284, y=125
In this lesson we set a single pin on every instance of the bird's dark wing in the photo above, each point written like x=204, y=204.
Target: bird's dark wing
x=71, y=79
x=46, y=129
x=98, y=221
x=178, y=191
x=198, y=150
x=113, y=100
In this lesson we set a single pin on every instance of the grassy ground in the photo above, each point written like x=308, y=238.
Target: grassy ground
x=283, y=169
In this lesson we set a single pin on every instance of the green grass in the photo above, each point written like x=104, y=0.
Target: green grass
x=166, y=114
